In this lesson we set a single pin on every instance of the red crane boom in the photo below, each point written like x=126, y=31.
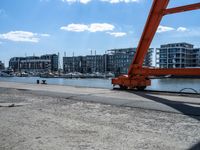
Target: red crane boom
x=138, y=76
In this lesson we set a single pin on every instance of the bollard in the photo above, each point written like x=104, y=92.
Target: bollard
x=44, y=82
x=38, y=81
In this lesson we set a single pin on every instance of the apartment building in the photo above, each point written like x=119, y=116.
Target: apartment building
x=177, y=55
x=120, y=59
x=2, y=65
x=84, y=64
x=42, y=63
x=116, y=61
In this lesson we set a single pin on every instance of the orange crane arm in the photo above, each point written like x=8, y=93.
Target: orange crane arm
x=158, y=10
x=181, y=9
x=138, y=76
x=168, y=71
x=153, y=21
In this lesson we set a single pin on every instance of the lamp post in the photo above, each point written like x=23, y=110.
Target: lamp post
x=105, y=62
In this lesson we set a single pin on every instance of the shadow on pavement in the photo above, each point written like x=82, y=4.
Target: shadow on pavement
x=191, y=111
x=195, y=147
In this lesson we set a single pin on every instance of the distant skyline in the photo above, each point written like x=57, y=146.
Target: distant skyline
x=37, y=27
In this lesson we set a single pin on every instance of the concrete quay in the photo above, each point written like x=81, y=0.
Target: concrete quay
x=65, y=117
x=168, y=102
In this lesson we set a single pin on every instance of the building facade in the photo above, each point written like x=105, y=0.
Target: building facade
x=2, y=67
x=178, y=55
x=44, y=63
x=84, y=64
x=119, y=60
x=116, y=61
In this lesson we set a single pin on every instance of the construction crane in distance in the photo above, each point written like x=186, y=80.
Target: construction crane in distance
x=138, y=76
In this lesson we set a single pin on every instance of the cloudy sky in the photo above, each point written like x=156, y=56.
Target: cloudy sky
x=36, y=27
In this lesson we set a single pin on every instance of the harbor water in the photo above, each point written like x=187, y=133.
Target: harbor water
x=169, y=84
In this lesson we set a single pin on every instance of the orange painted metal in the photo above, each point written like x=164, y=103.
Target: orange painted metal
x=162, y=71
x=138, y=76
x=181, y=9
x=153, y=21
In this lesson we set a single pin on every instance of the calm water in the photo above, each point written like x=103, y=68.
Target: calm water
x=157, y=84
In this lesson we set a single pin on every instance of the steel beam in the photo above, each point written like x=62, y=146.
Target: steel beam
x=181, y=9
x=153, y=21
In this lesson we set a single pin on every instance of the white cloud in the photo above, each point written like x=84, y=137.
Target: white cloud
x=85, y=1
x=94, y=27
x=188, y=32
x=117, y=34
x=109, y=1
x=78, y=1
x=22, y=36
x=167, y=29
x=164, y=29
x=75, y=27
x=182, y=29
x=120, y=1
x=181, y=32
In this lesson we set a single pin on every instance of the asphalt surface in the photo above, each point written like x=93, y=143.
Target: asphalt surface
x=63, y=117
x=168, y=102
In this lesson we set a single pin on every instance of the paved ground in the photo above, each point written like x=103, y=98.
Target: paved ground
x=154, y=101
x=61, y=117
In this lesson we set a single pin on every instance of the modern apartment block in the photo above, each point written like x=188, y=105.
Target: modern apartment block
x=73, y=64
x=177, y=55
x=119, y=60
x=84, y=64
x=43, y=63
x=2, y=65
x=116, y=61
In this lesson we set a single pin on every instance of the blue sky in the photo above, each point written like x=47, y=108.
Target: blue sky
x=36, y=27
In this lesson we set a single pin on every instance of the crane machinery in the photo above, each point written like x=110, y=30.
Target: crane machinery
x=138, y=75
